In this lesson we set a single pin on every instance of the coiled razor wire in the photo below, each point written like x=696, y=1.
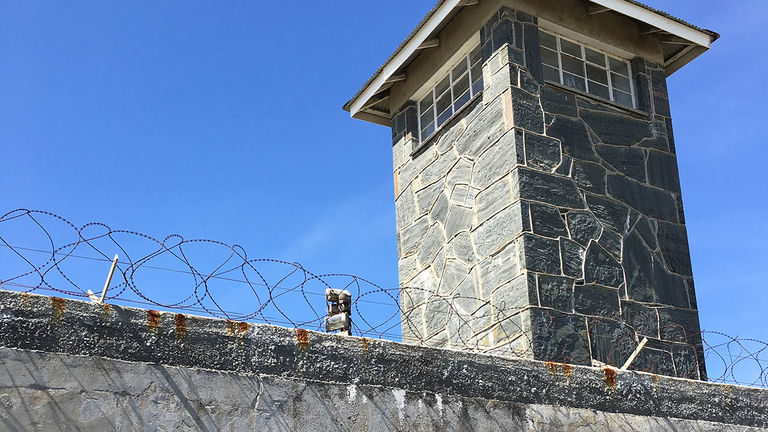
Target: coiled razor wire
x=42, y=252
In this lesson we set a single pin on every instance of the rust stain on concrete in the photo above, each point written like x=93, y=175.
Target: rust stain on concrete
x=365, y=343
x=153, y=320
x=57, y=307
x=181, y=326
x=567, y=370
x=242, y=328
x=610, y=377
x=231, y=328
x=302, y=336
x=552, y=367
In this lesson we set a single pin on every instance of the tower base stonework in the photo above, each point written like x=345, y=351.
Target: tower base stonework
x=544, y=222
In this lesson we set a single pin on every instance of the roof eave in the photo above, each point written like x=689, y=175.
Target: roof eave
x=700, y=39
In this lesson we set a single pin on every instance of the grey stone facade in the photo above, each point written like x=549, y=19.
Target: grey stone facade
x=78, y=366
x=545, y=223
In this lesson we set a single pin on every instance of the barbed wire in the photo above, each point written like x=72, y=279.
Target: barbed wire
x=43, y=252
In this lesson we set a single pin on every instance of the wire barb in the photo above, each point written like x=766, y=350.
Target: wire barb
x=45, y=253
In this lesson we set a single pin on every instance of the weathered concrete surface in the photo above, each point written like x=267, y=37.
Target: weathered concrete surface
x=72, y=365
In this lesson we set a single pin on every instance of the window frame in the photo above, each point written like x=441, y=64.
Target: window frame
x=473, y=90
x=607, y=67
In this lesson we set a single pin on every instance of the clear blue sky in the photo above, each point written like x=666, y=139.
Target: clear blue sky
x=223, y=120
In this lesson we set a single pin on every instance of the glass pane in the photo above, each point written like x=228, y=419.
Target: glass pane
x=459, y=69
x=444, y=116
x=461, y=101
x=574, y=81
x=444, y=102
x=476, y=72
x=427, y=117
x=427, y=131
x=596, y=74
x=620, y=82
x=426, y=103
x=619, y=66
x=443, y=86
x=551, y=74
x=570, y=48
x=549, y=57
x=476, y=55
x=599, y=90
x=573, y=65
x=460, y=86
x=623, y=98
x=548, y=40
x=477, y=86
x=595, y=57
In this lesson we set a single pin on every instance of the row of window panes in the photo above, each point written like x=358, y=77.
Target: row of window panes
x=463, y=82
x=577, y=66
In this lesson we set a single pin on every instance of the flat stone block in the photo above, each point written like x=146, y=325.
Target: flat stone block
x=645, y=199
x=547, y=188
x=556, y=292
x=596, y=300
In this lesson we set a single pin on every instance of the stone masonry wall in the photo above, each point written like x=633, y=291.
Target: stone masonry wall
x=70, y=365
x=545, y=223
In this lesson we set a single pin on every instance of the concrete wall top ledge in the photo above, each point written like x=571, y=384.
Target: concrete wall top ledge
x=50, y=324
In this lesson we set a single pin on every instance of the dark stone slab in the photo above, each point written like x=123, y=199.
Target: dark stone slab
x=601, y=268
x=647, y=281
x=611, y=242
x=589, y=176
x=574, y=137
x=559, y=337
x=528, y=82
x=556, y=292
x=626, y=160
x=659, y=140
x=533, y=51
x=548, y=188
x=596, y=300
x=542, y=152
x=526, y=111
x=503, y=33
x=670, y=135
x=654, y=361
x=556, y=101
x=647, y=232
x=572, y=255
x=679, y=325
x=662, y=171
x=616, y=129
x=641, y=318
x=691, y=293
x=541, y=255
x=645, y=199
x=612, y=342
x=547, y=221
x=610, y=213
x=583, y=226
x=686, y=361
x=673, y=243
x=660, y=94
x=565, y=166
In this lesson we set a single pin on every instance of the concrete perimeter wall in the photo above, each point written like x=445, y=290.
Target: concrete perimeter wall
x=68, y=365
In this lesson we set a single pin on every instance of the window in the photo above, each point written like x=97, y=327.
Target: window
x=582, y=68
x=452, y=92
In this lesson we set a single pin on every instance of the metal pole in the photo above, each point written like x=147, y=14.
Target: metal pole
x=634, y=354
x=109, y=279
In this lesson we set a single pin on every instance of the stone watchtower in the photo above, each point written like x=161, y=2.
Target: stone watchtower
x=539, y=210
